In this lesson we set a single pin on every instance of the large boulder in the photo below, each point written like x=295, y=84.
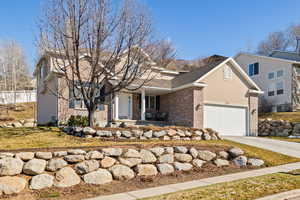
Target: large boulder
x=11, y=184
x=180, y=149
x=55, y=164
x=240, y=161
x=193, y=152
x=224, y=154
x=147, y=156
x=60, y=153
x=5, y=155
x=35, y=166
x=94, y=155
x=107, y=162
x=157, y=150
x=148, y=134
x=102, y=133
x=122, y=172
x=132, y=153
x=41, y=181
x=126, y=134
x=88, y=131
x=169, y=150
x=130, y=162
x=159, y=133
x=66, y=177
x=101, y=176
x=166, y=158
x=25, y=156
x=235, y=152
x=221, y=162
x=182, y=157
x=112, y=151
x=206, y=155
x=74, y=158
x=182, y=166
x=146, y=170
x=165, y=168
x=43, y=155
x=76, y=152
x=255, y=162
x=86, y=166
x=198, y=163
x=10, y=166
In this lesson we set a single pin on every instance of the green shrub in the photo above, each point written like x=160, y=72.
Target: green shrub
x=78, y=120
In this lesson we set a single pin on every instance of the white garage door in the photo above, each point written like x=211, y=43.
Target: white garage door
x=226, y=120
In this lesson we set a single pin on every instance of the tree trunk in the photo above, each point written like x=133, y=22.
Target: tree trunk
x=91, y=117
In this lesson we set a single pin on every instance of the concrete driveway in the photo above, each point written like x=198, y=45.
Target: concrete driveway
x=287, y=148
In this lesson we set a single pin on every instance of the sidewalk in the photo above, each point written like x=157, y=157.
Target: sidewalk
x=289, y=195
x=149, y=192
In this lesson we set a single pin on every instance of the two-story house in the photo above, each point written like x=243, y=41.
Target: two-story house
x=278, y=75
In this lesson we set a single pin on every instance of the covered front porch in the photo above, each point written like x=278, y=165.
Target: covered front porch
x=141, y=105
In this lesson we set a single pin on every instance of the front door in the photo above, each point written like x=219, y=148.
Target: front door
x=125, y=106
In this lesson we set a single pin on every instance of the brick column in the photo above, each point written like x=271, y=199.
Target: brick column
x=198, y=108
x=253, y=114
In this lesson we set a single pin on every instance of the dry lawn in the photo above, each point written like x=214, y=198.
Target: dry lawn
x=287, y=116
x=18, y=112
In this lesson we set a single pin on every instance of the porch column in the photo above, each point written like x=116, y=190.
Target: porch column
x=143, y=106
x=116, y=106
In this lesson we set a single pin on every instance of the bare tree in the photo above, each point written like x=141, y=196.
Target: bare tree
x=274, y=41
x=110, y=37
x=13, y=66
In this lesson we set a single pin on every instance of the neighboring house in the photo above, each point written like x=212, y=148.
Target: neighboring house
x=278, y=75
x=219, y=95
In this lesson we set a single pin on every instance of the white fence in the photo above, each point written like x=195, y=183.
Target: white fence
x=21, y=96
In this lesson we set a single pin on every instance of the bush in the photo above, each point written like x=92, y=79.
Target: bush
x=78, y=121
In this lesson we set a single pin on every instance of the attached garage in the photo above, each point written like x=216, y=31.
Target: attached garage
x=227, y=120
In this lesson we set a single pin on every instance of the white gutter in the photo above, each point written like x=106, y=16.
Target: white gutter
x=177, y=88
x=256, y=91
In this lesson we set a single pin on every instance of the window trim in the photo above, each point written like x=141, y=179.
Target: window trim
x=251, y=69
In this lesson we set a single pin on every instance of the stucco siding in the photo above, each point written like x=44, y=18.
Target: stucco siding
x=266, y=66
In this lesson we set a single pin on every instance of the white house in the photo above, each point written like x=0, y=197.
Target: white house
x=278, y=75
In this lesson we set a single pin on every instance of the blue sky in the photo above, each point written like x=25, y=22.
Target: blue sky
x=196, y=27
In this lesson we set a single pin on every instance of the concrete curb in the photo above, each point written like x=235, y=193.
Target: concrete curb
x=282, y=196
x=160, y=190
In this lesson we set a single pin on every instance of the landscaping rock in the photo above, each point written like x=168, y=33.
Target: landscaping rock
x=224, y=154
x=147, y=156
x=206, y=136
x=157, y=151
x=193, y=152
x=166, y=158
x=148, y=134
x=255, y=162
x=43, y=155
x=41, y=181
x=122, y=172
x=169, y=150
x=102, y=133
x=146, y=170
x=17, y=124
x=25, y=156
x=165, y=168
x=86, y=166
x=240, y=161
x=206, y=155
x=112, y=151
x=198, y=163
x=176, y=137
x=94, y=155
x=181, y=157
x=187, y=133
x=130, y=162
x=88, y=131
x=107, y=162
x=10, y=166
x=99, y=177
x=126, y=134
x=11, y=185
x=166, y=137
x=235, y=152
x=180, y=133
x=132, y=153
x=5, y=155
x=182, y=166
x=74, y=158
x=159, y=133
x=55, y=164
x=180, y=149
x=76, y=152
x=66, y=177
x=60, y=153
x=221, y=162
x=34, y=166
x=198, y=133
x=171, y=132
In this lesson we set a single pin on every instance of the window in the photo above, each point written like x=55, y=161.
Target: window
x=253, y=69
x=150, y=102
x=279, y=88
x=271, y=75
x=227, y=73
x=279, y=73
x=271, y=90
x=75, y=101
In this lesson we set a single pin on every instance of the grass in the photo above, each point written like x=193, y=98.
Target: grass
x=52, y=137
x=22, y=111
x=286, y=139
x=287, y=116
x=245, y=189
